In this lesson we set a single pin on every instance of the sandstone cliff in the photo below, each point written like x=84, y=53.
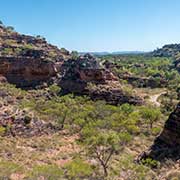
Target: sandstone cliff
x=28, y=61
x=85, y=76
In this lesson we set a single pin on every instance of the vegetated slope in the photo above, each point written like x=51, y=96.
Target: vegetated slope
x=143, y=71
x=166, y=145
x=155, y=70
x=169, y=50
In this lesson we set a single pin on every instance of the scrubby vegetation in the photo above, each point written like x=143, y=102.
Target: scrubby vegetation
x=89, y=139
x=144, y=70
x=148, y=73
x=94, y=140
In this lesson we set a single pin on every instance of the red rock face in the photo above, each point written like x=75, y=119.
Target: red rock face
x=85, y=76
x=26, y=72
x=99, y=75
x=28, y=61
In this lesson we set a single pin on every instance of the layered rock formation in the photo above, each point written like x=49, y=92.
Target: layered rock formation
x=85, y=76
x=28, y=61
x=26, y=72
x=167, y=144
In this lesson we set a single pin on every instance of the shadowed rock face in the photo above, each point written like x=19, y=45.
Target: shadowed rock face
x=26, y=72
x=85, y=76
x=82, y=71
x=167, y=144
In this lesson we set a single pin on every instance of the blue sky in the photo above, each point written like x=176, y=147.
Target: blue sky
x=97, y=25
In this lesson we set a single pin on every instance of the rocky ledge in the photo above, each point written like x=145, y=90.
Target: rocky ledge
x=28, y=61
x=85, y=76
x=26, y=72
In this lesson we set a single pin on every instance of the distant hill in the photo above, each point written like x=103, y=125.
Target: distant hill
x=113, y=53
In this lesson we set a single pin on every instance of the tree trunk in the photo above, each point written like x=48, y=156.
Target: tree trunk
x=105, y=170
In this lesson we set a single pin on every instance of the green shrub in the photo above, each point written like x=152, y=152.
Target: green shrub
x=48, y=172
x=2, y=130
x=54, y=89
x=7, y=168
x=150, y=162
x=156, y=130
x=78, y=169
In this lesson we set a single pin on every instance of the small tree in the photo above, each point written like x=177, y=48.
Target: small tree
x=103, y=145
x=74, y=54
x=58, y=110
x=10, y=28
x=151, y=115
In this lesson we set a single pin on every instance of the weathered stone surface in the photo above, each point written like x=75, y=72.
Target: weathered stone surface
x=28, y=61
x=112, y=93
x=19, y=127
x=86, y=76
x=26, y=72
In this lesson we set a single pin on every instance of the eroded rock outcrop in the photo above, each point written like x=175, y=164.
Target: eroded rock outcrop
x=167, y=144
x=85, y=76
x=28, y=61
x=172, y=51
x=26, y=72
x=17, y=122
